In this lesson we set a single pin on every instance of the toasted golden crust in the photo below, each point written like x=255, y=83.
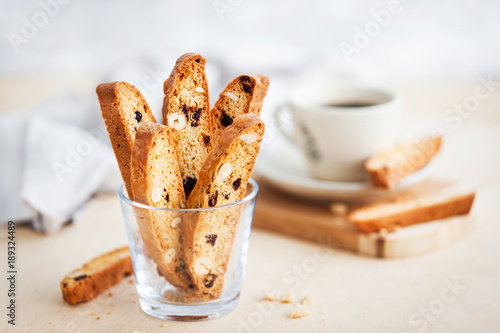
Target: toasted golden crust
x=208, y=236
x=186, y=110
x=156, y=182
x=123, y=109
x=96, y=276
x=242, y=95
x=388, y=168
x=410, y=211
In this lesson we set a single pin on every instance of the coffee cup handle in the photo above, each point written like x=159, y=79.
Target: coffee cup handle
x=279, y=113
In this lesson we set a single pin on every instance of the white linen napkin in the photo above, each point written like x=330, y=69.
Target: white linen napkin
x=54, y=159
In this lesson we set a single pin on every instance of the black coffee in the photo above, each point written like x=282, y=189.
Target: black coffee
x=350, y=104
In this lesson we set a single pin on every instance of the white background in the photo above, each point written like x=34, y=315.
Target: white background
x=427, y=38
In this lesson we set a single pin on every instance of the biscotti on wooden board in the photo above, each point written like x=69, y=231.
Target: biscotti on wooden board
x=96, y=276
x=123, y=108
x=186, y=110
x=389, y=167
x=208, y=236
x=412, y=210
x=242, y=95
x=156, y=182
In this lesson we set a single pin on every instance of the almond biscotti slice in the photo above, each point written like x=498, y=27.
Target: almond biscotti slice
x=208, y=236
x=186, y=110
x=388, y=168
x=123, y=109
x=99, y=274
x=412, y=210
x=156, y=181
x=242, y=95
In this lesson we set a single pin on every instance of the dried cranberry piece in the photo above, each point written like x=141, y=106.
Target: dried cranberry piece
x=206, y=140
x=81, y=277
x=196, y=118
x=185, y=110
x=209, y=280
x=212, y=201
x=237, y=184
x=247, y=84
x=188, y=185
x=226, y=120
x=138, y=116
x=211, y=239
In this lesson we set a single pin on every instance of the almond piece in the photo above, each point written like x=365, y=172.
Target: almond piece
x=224, y=172
x=299, y=311
x=231, y=95
x=248, y=137
x=156, y=194
x=202, y=266
x=169, y=255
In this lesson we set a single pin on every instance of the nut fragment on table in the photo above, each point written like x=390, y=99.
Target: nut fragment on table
x=299, y=311
x=270, y=295
x=306, y=301
x=288, y=297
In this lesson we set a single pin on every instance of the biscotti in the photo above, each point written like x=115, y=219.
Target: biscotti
x=123, y=108
x=208, y=236
x=412, y=210
x=96, y=276
x=186, y=110
x=242, y=95
x=388, y=168
x=156, y=182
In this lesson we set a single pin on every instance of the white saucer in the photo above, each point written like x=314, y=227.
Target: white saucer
x=284, y=166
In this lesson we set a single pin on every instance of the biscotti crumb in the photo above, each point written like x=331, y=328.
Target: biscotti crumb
x=92, y=314
x=339, y=209
x=288, y=297
x=306, y=301
x=98, y=318
x=270, y=296
x=110, y=294
x=164, y=326
x=299, y=312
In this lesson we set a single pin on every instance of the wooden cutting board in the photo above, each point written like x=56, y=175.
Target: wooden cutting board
x=281, y=213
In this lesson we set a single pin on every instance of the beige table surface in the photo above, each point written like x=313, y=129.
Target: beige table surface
x=350, y=293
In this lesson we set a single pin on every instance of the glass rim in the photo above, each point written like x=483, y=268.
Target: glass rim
x=249, y=197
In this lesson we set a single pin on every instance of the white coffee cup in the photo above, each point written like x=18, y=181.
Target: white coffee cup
x=339, y=128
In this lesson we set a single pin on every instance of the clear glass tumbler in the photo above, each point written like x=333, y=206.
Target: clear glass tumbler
x=161, y=299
